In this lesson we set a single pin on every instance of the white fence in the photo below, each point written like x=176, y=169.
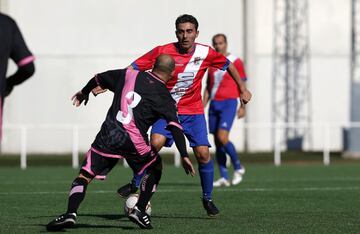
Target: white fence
x=278, y=145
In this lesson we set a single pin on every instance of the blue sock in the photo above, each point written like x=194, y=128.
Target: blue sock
x=230, y=150
x=221, y=160
x=206, y=172
x=137, y=179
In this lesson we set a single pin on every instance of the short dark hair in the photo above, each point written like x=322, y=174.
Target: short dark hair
x=219, y=35
x=187, y=19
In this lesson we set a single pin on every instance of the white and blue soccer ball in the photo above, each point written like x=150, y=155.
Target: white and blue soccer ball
x=131, y=201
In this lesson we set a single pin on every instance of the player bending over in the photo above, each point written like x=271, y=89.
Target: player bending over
x=224, y=94
x=140, y=99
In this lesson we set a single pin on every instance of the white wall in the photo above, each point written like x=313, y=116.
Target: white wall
x=330, y=67
x=73, y=40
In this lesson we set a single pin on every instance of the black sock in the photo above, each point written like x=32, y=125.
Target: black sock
x=77, y=194
x=148, y=187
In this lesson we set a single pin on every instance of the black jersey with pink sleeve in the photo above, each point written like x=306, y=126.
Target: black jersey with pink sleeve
x=12, y=45
x=140, y=99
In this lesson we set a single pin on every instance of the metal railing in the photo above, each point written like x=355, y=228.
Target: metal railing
x=278, y=146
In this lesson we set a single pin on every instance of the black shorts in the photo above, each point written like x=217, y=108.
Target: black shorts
x=98, y=164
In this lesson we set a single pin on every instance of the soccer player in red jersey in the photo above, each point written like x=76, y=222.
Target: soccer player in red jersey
x=223, y=93
x=191, y=62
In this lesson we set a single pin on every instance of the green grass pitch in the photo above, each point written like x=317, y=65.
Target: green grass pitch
x=287, y=199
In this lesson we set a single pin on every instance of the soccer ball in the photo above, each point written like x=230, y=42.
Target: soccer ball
x=131, y=201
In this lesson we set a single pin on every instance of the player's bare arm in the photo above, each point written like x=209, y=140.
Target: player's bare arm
x=206, y=96
x=241, y=112
x=245, y=94
x=98, y=90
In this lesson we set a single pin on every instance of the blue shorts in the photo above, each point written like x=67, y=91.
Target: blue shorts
x=194, y=127
x=222, y=114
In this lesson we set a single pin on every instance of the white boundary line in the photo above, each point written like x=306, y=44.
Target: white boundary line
x=310, y=189
x=247, y=181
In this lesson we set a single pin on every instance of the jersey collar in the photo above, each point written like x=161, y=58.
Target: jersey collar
x=157, y=78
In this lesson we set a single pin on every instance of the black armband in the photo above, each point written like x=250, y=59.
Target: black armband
x=89, y=86
x=179, y=140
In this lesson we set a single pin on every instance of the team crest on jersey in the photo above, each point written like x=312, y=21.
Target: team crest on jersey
x=197, y=60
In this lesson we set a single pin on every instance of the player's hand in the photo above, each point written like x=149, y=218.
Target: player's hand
x=245, y=96
x=187, y=165
x=78, y=98
x=241, y=112
x=97, y=90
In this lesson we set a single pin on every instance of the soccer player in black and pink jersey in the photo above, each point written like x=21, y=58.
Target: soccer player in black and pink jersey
x=223, y=93
x=191, y=62
x=140, y=99
x=13, y=46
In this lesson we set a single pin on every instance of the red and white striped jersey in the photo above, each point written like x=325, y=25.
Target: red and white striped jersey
x=185, y=87
x=222, y=86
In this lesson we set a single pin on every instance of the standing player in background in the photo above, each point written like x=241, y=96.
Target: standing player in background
x=140, y=98
x=224, y=94
x=191, y=62
x=12, y=45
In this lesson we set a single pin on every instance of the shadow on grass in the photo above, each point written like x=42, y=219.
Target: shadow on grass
x=85, y=226
x=107, y=216
x=122, y=218
x=104, y=216
x=104, y=226
x=125, y=218
x=180, y=217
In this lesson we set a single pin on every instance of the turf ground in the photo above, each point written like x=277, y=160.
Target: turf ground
x=288, y=199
